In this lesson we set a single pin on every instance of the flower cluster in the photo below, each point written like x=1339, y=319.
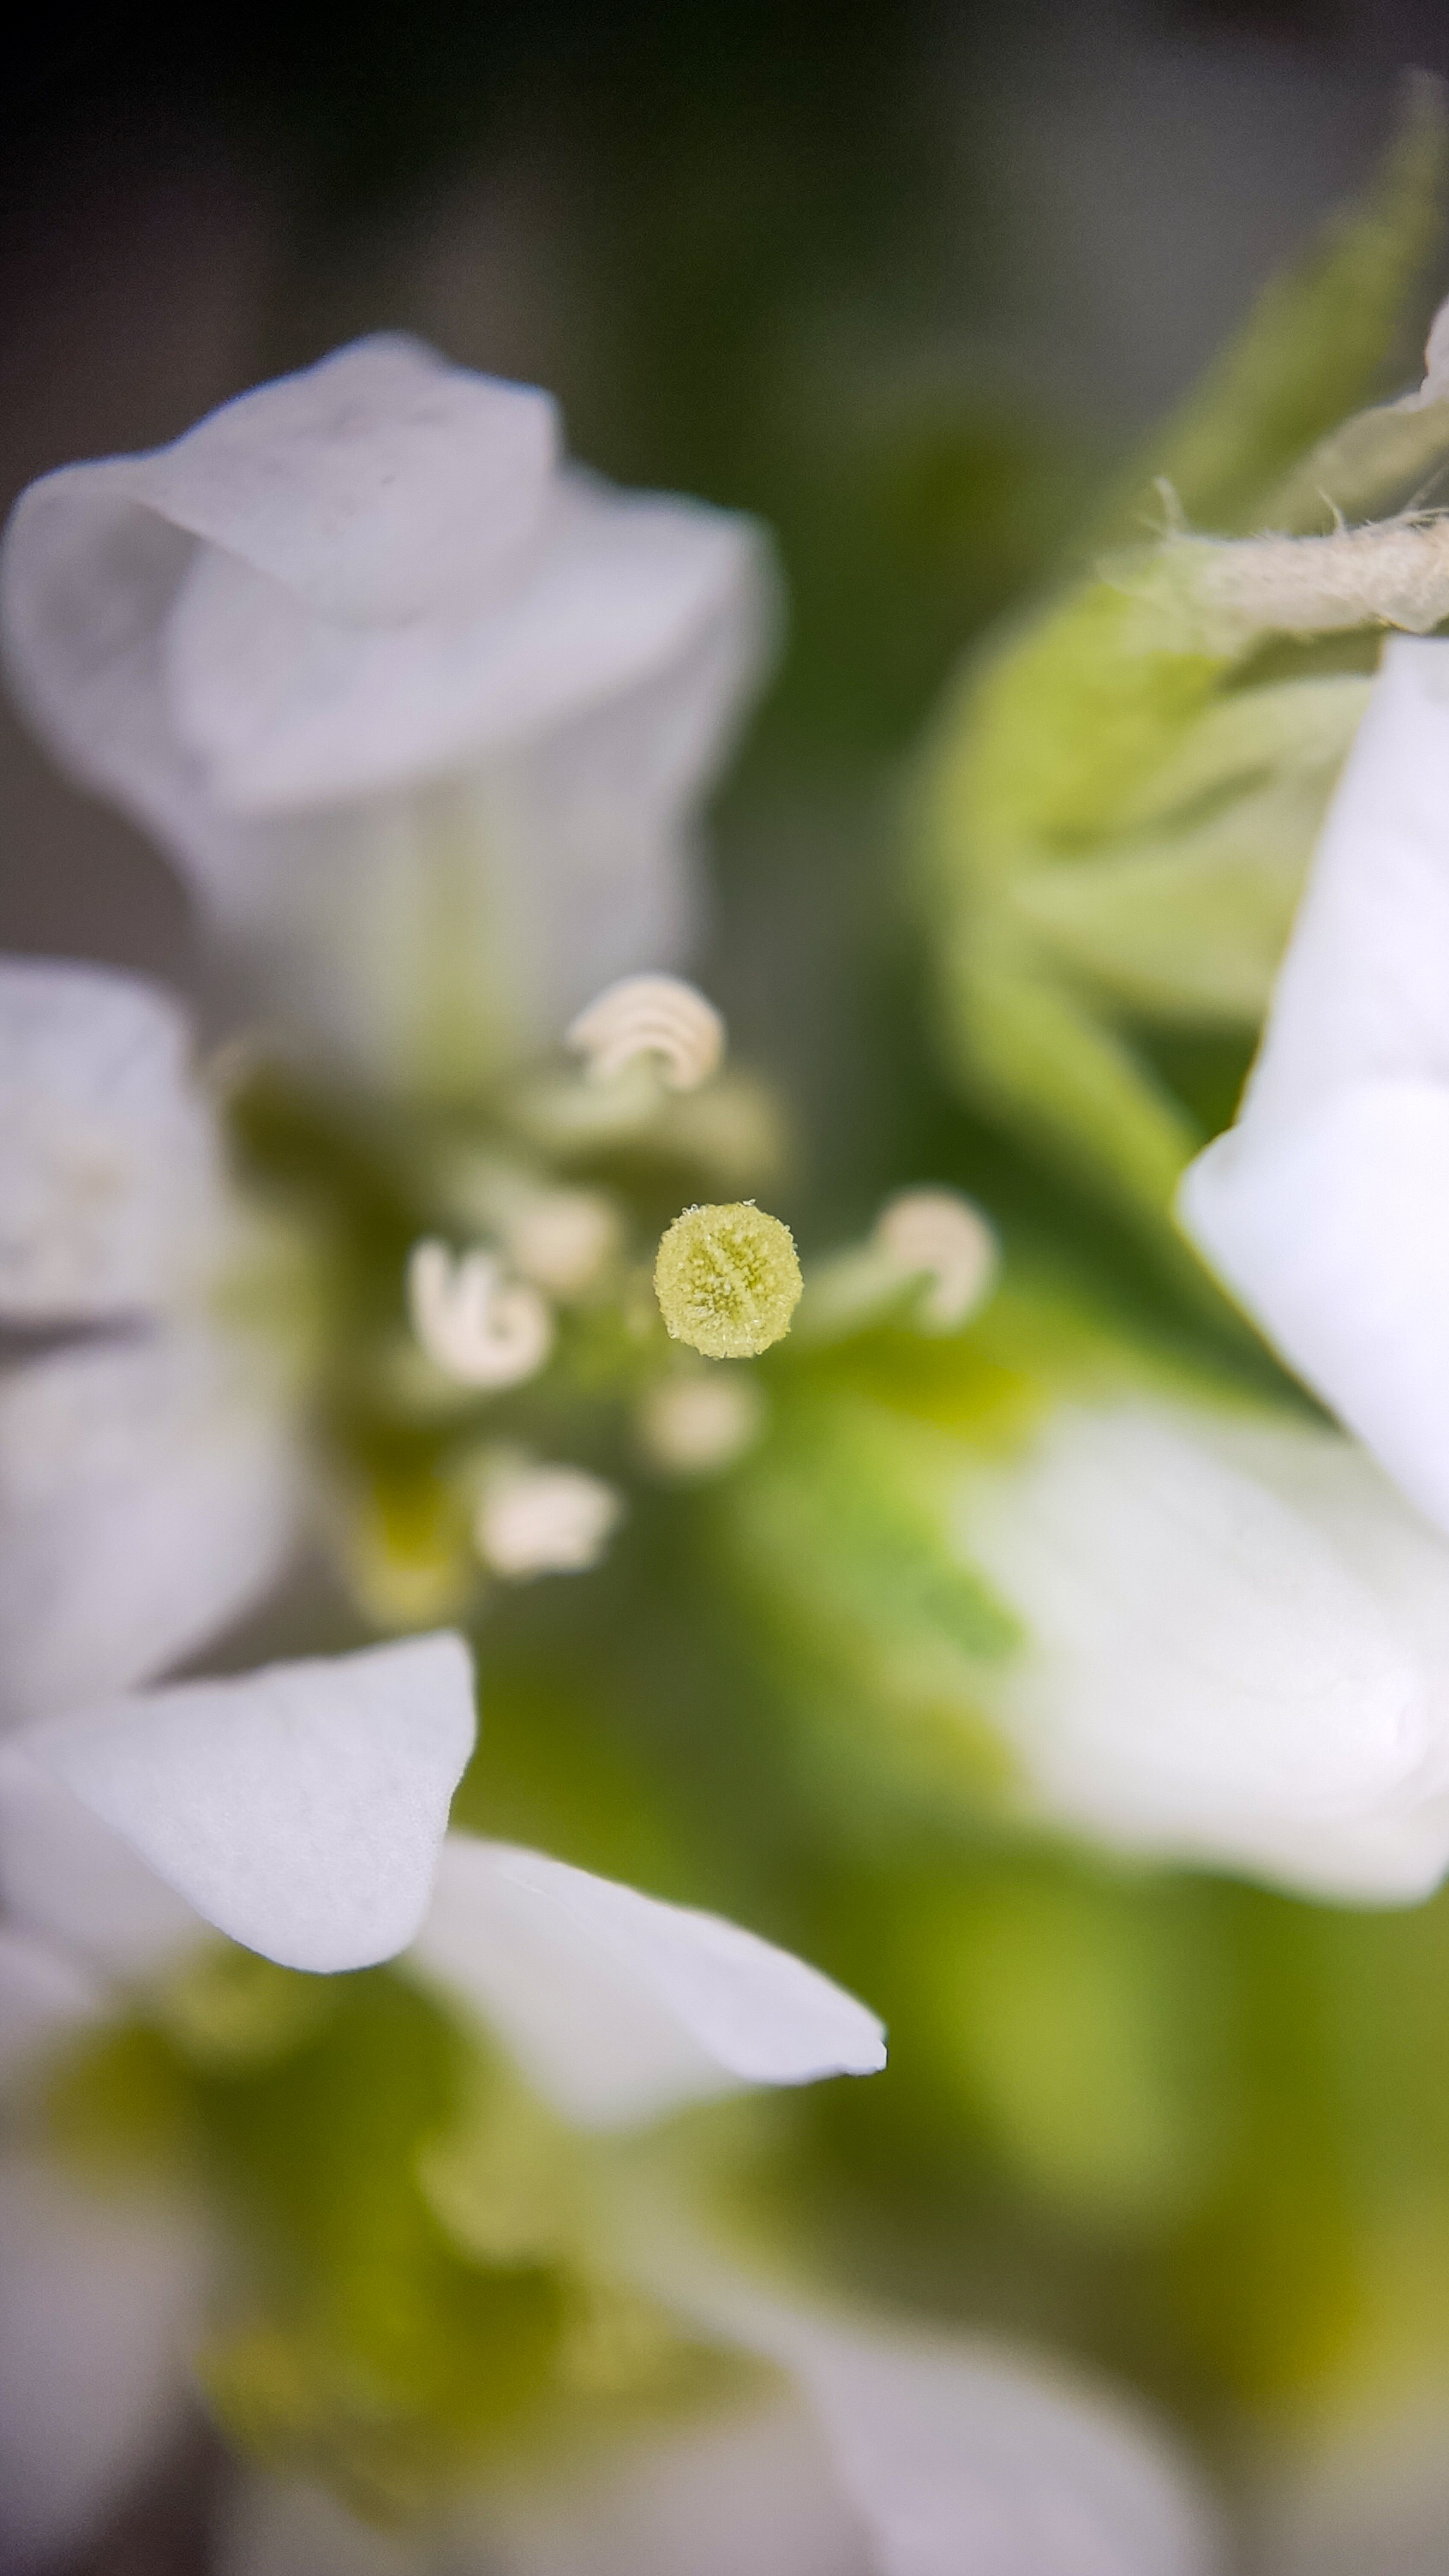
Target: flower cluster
x=1027, y=1650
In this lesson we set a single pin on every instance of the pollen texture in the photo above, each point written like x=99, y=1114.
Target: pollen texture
x=727, y=1280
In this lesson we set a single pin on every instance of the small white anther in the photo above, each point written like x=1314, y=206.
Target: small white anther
x=656, y=1015
x=544, y=1520
x=940, y=1235
x=474, y=1324
x=696, y=1425
x=563, y=1239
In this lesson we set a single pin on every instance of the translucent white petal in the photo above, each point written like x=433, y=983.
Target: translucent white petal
x=431, y=937
x=619, y=2007
x=148, y=1495
x=286, y=709
x=960, y=2458
x=954, y=2454
x=1237, y=1644
x=45, y=1995
x=1333, y=1228
x=1324, y=1208
x=747, y=2491
x=98, y=2304
x=430, y=829
x=300, y=1809
x=110, y=1187
x=69, y=1878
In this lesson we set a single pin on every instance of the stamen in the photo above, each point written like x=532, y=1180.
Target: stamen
x=544, y=1520
x=699, y=1423
x=940, y=1235
x=474, y=1324
x=563, y=1239
x=727, y=1280
x=656, y=1015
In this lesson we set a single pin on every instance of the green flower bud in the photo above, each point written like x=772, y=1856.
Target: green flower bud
x=727, y=1280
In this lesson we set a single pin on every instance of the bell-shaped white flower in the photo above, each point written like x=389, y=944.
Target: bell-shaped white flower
x=423, y=712
x=149, y=1481
x=1234, y=1644
x=1326, y=1207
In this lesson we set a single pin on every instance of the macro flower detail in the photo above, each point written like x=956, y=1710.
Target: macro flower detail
x=1324, y=1207
x=149, y=1474
x=422, y=713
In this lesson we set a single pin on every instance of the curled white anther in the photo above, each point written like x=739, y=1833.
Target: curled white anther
x=476, y=1325
x=544, y=1520
x=697, y=1424
x=654, y=1015
x=941, y=1236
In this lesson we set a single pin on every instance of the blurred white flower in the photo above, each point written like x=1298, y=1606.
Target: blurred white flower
x=423, y=712
x=882, y=2451
x=149, y=1482
x=1326, y=1207
x=302, y=1811
x=1236, y=1644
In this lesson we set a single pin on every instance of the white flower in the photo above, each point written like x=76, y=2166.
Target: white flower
x=883, y=2451
x=302, y=1811
x=1235, y=1648
x=1326, y=1208
x=423, y=712
x=148, y=1477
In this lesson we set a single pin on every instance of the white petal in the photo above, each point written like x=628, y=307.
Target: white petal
x=750, y=2491
x=286, y=710
x=110, y=1188
x=276, y=2527
x=954, y=2454
x=395, y=587
x=45, y=1995
x=958, y=2458
x=1333, y=1227
x=69, y=1878
x=619, y=2007
x=1323, y=1209
x=299, y=1809
x=98, y=2303
x=148, y=1495
x=1237, y=1645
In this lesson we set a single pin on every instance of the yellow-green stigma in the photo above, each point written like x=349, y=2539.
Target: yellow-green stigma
x=727, y=1280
